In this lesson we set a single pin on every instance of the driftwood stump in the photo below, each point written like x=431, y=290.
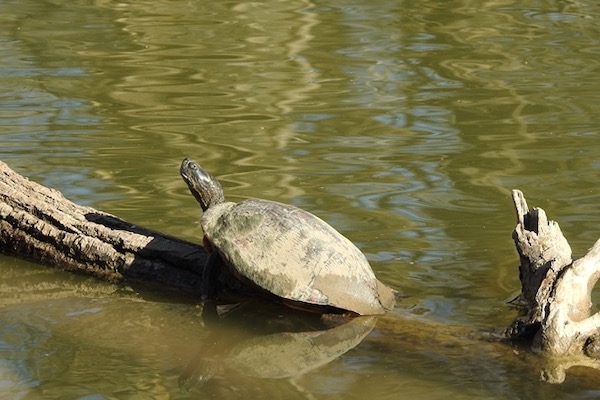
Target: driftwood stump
x=555, y=293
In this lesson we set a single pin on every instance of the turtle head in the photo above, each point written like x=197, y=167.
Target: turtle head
x=206, y=188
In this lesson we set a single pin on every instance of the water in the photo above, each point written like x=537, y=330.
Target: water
x=403, y=124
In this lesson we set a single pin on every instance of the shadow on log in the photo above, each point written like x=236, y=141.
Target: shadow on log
x=40, y=224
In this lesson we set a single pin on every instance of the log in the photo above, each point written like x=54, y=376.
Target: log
x=40, y=224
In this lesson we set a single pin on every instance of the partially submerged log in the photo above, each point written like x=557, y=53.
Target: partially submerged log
x=40, y=224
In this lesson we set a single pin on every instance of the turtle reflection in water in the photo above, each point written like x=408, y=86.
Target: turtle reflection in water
x=248, y=342
x=284, y=251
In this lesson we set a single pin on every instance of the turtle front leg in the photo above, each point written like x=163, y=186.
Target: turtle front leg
x=210, y=287
x=209, y=277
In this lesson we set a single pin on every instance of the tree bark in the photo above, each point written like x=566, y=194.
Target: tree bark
x=40, y=224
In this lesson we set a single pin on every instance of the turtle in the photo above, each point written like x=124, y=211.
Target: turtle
x=284, y=251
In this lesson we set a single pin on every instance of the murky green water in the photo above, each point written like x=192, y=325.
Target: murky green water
x=403, y=124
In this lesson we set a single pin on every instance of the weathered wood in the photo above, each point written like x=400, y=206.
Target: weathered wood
x=40, y=224
x=544, y=253
x=556, y=293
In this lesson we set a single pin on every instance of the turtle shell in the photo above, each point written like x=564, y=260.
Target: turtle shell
x=294, y=255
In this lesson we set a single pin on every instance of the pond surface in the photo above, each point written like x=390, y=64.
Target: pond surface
x=403, y=124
